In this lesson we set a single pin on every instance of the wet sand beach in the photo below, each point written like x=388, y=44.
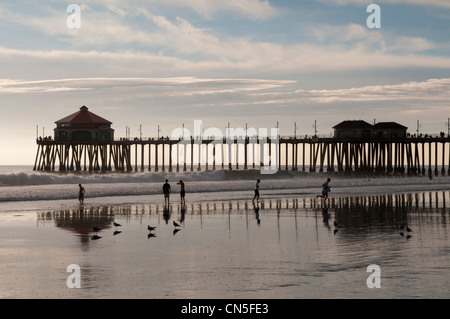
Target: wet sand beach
x=282, y=248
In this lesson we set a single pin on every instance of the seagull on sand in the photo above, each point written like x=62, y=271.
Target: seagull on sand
x=176, y=224
x=150, y=228
x=116, y=224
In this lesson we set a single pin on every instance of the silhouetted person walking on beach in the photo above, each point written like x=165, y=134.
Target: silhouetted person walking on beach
x=325, y=190
x=166, y=191
x=256, y=191
x=81, y=193
x=182, y=191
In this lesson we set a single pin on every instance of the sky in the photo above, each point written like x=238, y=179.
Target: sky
x=255, y=63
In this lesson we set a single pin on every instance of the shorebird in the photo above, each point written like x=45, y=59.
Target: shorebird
x=95, y=237
x=150, y=228
x=336, y=224
x=116, y=224
x=96, y=229
x=176, y=224
x=408, y=229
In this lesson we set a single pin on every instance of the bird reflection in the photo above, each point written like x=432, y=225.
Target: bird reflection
x=176, y=230
x=336, y=227
x=151, y=228
x=116, y=232
x=404, y=227
x=95, y=237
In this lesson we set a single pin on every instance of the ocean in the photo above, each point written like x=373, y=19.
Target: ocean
x=285, y=246
x=21, y=187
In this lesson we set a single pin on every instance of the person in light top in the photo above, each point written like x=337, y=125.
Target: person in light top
x=256, y=191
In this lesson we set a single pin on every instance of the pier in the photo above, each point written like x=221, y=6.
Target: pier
x=429, y=155
x=84, y=141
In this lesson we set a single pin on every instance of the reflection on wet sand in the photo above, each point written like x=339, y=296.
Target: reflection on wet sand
x=84, y=222
x=279, y=242
x=349, y=212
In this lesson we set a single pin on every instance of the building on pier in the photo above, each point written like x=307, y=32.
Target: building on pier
x=83, y=126
x=353, y=129
x=389, y=130
x=362, y=129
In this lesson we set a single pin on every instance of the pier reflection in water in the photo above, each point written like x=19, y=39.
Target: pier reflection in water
x=390, y=210
x=278, y=248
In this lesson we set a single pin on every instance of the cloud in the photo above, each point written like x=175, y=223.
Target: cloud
x=358, y=36
x=437, y=3
x=208, y=9
x=429, y=91
x=176, y=86
x=253, y=9
x=112, y=42
x=230, y=58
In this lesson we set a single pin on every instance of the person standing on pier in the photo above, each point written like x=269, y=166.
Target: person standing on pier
x=256, y=191
x=325, y=190
x=182, y=191
x=81, y=193
x=166, y=191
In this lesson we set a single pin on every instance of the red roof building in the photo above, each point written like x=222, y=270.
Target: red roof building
x=83, y=126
